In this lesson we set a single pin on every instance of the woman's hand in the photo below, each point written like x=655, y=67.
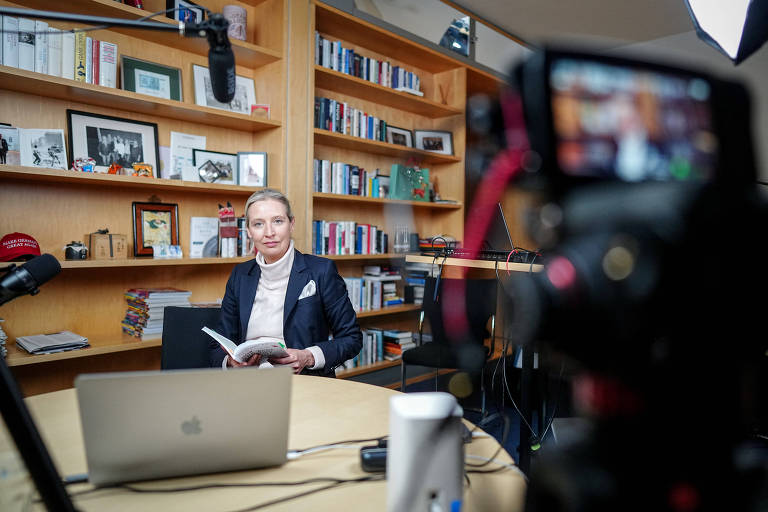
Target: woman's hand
x=255, y=360
x=298, y=359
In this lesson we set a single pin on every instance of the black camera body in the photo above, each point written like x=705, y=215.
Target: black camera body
x=645, y=167
x=75, y=251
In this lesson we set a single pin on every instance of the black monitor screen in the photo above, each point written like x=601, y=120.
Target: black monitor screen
x=630, y=123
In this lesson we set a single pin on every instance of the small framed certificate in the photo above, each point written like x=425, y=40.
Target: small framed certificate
x=150, y=78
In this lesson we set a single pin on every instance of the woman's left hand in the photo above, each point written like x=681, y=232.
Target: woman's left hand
x=298, y=359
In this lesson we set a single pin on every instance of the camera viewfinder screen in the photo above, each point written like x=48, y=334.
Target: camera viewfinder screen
x=631, y=124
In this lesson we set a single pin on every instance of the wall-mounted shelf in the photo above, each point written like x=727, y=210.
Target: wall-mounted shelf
x=322, y=196
x=99, y=346
x=150, y=262
x=338, y=140
x=389, y=310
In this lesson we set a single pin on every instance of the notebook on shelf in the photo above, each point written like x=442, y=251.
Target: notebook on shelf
x=152, y=424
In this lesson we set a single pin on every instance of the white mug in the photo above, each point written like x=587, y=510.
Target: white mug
x=236, y=16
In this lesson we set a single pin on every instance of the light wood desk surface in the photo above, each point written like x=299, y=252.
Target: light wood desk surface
x=322, y=411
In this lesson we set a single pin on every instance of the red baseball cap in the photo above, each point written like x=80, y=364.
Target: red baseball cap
x=18, y=246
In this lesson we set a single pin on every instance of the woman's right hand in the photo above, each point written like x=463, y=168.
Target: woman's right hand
x=255, y=360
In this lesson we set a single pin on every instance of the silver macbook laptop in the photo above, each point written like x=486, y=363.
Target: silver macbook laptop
x=147, y=425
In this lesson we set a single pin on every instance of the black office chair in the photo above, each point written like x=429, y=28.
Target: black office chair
x=462, y=349
x=185, y=345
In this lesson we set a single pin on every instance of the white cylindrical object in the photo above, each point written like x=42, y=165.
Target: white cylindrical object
x=236, y=16
x=425, y=453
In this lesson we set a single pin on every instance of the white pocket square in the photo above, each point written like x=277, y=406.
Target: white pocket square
x=309, y=290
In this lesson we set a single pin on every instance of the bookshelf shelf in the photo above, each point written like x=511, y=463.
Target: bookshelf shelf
x=380, y=365
x=360, y=257
x=378, y=200
x=341, y=141
x=389, y=310
x=340, y=82
x=150, y=262
x=32, y=174
x=23, y=81
x=246, y=54
x=99, y=346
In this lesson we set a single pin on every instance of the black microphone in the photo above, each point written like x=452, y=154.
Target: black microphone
x=221, y=59
x=27, y=278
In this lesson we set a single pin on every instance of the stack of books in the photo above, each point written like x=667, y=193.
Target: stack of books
x=50, y=343
x=3, y=340
x=144, y=316
x=415, y=278
x=396, y=342
x=373, y=349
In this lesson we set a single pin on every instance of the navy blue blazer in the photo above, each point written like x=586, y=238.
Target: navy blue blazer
x=306, y=322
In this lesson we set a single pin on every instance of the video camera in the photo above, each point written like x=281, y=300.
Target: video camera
x=652, y=229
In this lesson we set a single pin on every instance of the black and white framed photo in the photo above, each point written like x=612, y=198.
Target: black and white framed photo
x=9, y=145
x=245, y=92
x=215, y=167
x=110, y=140
x=434, y=141
x=149, y=78
x=252, y=169
x=184, y=10
x=42, y=148
x=399, y=136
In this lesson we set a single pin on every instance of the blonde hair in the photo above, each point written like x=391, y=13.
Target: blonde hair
x=269, y=193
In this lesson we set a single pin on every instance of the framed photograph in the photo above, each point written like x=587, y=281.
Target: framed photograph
x=185, y=11
x=154, y=224
x=215, y=167
x=399, y=136
x=42, y=148
x=252, y=169
x=151, y=79
x=245, y=92
x=9, y=145
x=110, y=140
x=435, y=141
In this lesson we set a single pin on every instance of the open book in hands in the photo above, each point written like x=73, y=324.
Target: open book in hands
x=268, y=347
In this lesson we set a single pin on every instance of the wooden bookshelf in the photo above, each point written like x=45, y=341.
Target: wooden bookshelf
x=99, y=346
x=389, y=310
x=385, y=201
x=365, y=257
x=351, y=143
x=359, y=370
x=150, y=262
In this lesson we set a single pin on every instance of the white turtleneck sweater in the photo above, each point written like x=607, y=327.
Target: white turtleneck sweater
x=266, y=318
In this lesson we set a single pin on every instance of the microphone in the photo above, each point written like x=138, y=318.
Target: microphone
x=221, y=59
x=27, y=278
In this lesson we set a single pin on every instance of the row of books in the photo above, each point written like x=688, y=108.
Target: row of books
x=340, y=117
x=144, y=315
x=371, y=292
x=347, y=237
x=380, y=345
x=3, y=340
x=415, y=279
x=34, y=46
x=340, y=178
x=333, y=55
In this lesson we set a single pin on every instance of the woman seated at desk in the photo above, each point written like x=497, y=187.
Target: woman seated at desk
x=285, y=294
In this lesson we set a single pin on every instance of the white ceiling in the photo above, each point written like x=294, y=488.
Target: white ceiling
x=602, y=22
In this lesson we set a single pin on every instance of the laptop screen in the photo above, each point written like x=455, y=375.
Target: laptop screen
x=497, y=237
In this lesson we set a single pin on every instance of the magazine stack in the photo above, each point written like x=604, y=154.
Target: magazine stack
x=144, y=315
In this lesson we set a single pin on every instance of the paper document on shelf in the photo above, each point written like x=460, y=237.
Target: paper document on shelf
x=50, y=343
x=267, y=347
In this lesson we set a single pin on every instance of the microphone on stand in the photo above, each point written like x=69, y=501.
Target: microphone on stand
x=221, y=59
x=27, y=278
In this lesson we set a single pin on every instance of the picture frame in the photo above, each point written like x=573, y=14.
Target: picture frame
x=252, y=168
x=42, y=148
x=245, y=92
x=11, y=137
x=109, y=139
x=434, y=141
x=154, y=224
x=150, y=78
x=399, y=136
x=215, y=167
x=184, y=10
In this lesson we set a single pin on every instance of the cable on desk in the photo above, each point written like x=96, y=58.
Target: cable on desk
x=331, y=445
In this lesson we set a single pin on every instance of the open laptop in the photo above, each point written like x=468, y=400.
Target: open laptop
x=147, y=425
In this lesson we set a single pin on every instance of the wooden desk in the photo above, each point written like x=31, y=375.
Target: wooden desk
x=322, y=411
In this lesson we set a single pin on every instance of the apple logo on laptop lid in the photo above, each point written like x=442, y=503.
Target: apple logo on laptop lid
x=191, y=427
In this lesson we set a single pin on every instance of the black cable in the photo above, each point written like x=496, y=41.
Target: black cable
x=351, y=441
x=504, y=435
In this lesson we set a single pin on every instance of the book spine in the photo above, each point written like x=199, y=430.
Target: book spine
x=68, y=55
x=10, y=41
x=80, y=56
x=95, y=50
x=88, y=60
x=54, y=51
x=107, y=64
x=41, y=47
x=26, y=44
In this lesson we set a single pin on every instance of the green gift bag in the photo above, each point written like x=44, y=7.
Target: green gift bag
x=409, y=183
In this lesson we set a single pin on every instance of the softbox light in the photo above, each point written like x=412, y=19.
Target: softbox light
x=735, y=27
